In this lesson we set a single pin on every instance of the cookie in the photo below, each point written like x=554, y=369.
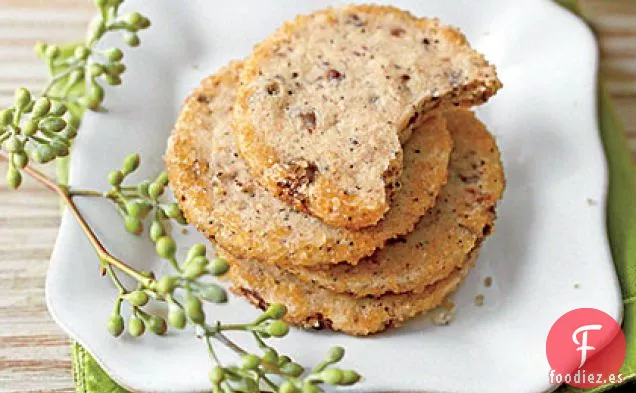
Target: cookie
x=312, y=306
x=220, y=197
x=463, y=215
x=327, y=101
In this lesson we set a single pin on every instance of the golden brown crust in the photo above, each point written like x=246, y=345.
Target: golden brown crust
x=312, y=306
x=219, y=196
x=305, y=182
x=463, y=215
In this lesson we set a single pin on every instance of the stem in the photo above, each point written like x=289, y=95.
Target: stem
x=211, y=351
x=259, y=341
x=115, y=279
x=236, y=326
x=222, y=338
x=56, y=79
x=88, y=193
x=63, y=192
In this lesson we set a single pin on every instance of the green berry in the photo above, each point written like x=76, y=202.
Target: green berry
x=219, y=266
x=132, y=39
x=133, y=18
x=6, y=117
x=71, y=119
x=293, y=369
x=30, y=127
x=172, y=210
x=162, y=178
x=19, y=160
x=116, y=69
x=115, y=325
x=112, y=80
x=134, y=208
x=114, y=54
x=13, y=144
x=157, y=325
x=250, y=361
x=332, y=376
x=22, y=98
x=283, y=360
x=96, y=70
x=276, y=311
x=58, y=108
x=133, y=225
x=199, y=261
x=155, y=190
x=217, y=375
x=335, y=354
x=194, y=309
x=176, y=317
x=136, y=326
x=43, y=154
x=95, y=96
x=309, y=387
x=41, y=107
x=270, y=356
x=278, y=329
x=131, y=163
x=213, y=293
x=166, y=247
x=156, y=231
x=287, y=387
x=137, y=298
x=82, y=52
x=39, y=48
x=198, y=250
x=69, y=132
x=14, y=178
x=167, y=284
x=144, y=23
x=115, y=178
x=349, y=377
x=142, y=188
x=193, y=271
x=52, y=51
x=60, y=148
x=52, y=124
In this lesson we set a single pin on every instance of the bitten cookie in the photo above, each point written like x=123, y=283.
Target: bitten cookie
x=220, y=197
x=326, y=102
x=312, y=306
x=463, y=215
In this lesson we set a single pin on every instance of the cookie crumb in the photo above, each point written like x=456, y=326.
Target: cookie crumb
x=488, y=282
x=184, y=231
x=480, y=299
x=444, y=314
x=577, y=285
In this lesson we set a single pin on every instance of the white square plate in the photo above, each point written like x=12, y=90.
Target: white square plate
x=549, y=235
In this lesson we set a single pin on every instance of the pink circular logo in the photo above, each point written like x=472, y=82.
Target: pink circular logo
x=585, y=349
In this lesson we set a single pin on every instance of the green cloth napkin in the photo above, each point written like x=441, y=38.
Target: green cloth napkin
x=621, y=224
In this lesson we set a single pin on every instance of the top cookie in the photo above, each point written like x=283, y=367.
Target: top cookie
x=463, y=216
x=217, y=194
x=326, y=102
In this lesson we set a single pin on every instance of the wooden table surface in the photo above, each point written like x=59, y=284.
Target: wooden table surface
x=34, y=353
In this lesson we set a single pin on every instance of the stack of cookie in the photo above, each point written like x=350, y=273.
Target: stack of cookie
x=338, y=168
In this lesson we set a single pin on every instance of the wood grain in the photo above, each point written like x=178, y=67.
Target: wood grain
x=34, y=353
